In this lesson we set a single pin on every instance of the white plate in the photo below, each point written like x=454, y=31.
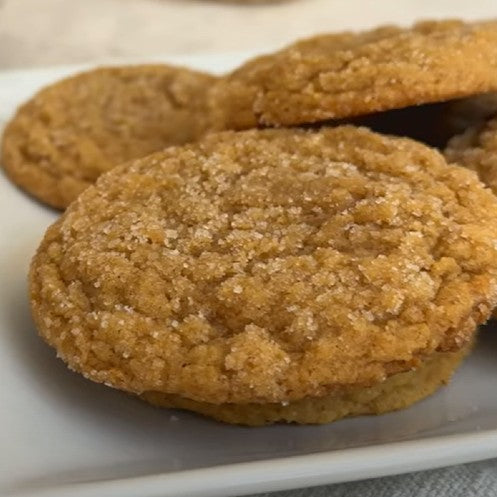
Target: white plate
x=63, y=436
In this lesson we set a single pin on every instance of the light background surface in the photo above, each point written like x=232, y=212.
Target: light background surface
x=48, y=32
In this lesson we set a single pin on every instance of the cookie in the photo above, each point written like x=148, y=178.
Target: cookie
x=476, y=149
x=268, y=266
x=69, y=133
x=396, y=392
x=342, y=75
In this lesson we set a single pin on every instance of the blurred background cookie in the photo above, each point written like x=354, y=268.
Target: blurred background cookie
x=476, y=149
x=61, y=140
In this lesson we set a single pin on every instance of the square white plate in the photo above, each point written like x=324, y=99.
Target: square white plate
x=61, y=435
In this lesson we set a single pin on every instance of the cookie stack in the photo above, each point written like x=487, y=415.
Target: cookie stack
x=287, y=263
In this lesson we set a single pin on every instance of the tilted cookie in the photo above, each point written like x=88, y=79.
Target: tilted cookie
x=335, y=76
x=267, y=271
x=69, y=133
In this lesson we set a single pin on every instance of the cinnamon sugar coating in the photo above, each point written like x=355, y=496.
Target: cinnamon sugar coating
x=334, y=76
x=70, y=132
x=268, y=266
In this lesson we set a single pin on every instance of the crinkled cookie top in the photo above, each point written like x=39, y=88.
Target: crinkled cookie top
x=72, y=131
x=340, y=75
x=268, y=266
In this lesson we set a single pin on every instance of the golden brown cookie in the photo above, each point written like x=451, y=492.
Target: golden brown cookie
x=69, y=133
x=398, y=391
x=268, y=266
x=476, y=149
x=342, y=75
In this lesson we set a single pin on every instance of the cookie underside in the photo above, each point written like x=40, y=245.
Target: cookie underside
x=396, y=392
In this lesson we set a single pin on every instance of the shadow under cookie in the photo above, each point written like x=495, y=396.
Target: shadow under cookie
x=434, y=124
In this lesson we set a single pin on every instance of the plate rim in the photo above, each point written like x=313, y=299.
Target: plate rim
x=308, y=470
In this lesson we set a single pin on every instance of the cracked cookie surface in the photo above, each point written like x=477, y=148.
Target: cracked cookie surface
x=268, y=266
x=70, y=132
x=347, y=74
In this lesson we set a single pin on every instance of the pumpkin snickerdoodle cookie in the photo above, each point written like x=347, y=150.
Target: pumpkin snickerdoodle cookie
x=70, y=132
x=272, y=275
x=347, y=74
x=476, y=149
